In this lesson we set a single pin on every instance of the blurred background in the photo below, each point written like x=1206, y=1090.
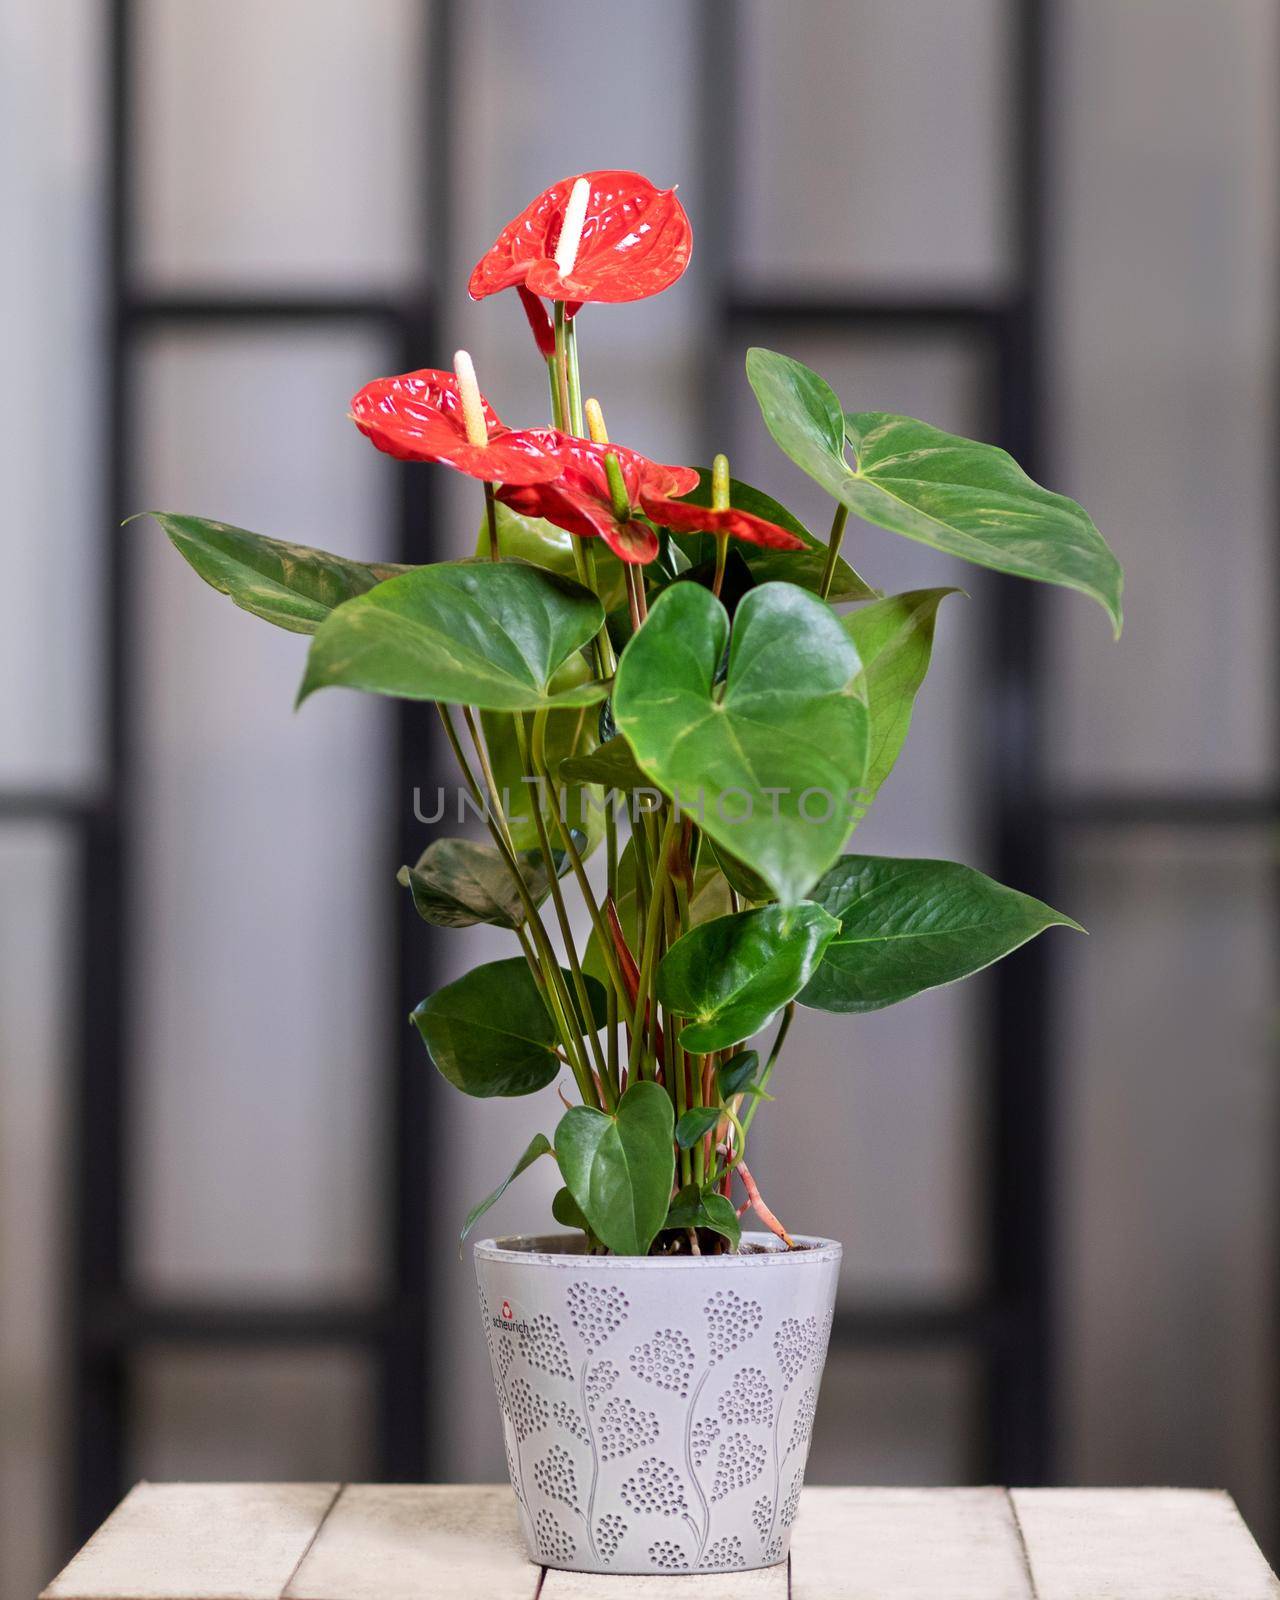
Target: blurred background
x=230, y=1184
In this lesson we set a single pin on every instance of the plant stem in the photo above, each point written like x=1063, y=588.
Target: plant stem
x=558, y=994
x=562, y=365
x=491, y=517
x=562, y=914
x=611, y=890
x=722, y=555
x=540, y=767
x=575, y=378
x=788, y=1016
x=834, y=539
x=652, y=928
x=557, y=402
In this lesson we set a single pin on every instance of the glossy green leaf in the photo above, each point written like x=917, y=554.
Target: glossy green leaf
x=491, y=634
x=970, y=499
x=620, y=1167
x=732, y=975
x=567, y=1212
x=750, y=885
x=737, y=1073
x=569, y=732
x=693, y=1209
x=695, y=1124
x=610, y=765
x=490, y=1033
x=457, y=883
x=290, y=585
x=911, y=925
x=544, y=545
x=539, y=1145
x=770, y=768
x=802, y=567
x=894, y=638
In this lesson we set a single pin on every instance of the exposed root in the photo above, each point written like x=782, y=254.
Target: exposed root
x=756, y=1203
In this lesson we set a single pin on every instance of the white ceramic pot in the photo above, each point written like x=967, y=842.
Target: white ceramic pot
x=657, y=1410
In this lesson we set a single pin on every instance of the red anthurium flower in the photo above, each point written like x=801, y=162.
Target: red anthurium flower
x=634, y=241
x=580, y=500
x=420, y=416
x=681, y=517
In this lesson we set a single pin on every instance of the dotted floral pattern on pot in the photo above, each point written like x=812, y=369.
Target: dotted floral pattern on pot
x=555, y=1543
x=624, y=1427
x=749, y=1398
x=731, y=1321
x=665, y=1360
x=554, y=1474
x=597, y=1312
x=740, y=1462
x=610, y=1532
x=726, y=1552
x=669, y=1556
x=655, y=1487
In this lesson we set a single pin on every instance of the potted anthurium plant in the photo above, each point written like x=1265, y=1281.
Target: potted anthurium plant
x=667, y=697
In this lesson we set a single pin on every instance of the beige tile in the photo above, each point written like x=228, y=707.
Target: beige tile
x=906, y=1544
x=418, y=1542
x=1140, y=1544
x=198, y=1541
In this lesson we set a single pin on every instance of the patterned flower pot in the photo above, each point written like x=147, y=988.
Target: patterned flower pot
x=657, y=1410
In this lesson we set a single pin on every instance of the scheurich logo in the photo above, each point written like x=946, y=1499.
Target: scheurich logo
x=505, y=1320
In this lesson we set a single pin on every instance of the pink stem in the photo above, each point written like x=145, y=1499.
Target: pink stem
x=756, y=1202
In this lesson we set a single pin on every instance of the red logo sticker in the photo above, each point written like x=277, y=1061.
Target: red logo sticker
x=506, y=1311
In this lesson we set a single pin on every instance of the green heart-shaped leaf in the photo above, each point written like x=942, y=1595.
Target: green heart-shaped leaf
x=750, y=885
x=803, y=567
x=894, y=638
x=769, y=768
x=291, y=585
x=610, y=764
x=969, y=499
x=737, y=1073
x=911, y=925
x=731, y=975
x=620, y=1167
x=490, y=1033
x=693, y=1209
x=567, y=1212
x=458, y=883
x=539, y=1145
x=491, y=634
x=695, y=1124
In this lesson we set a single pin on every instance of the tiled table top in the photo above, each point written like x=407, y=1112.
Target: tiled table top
x=329, y=1541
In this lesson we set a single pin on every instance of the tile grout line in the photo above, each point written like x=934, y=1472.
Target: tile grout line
x=542, y=1578
x=310, y=1545
x=1022, y=1544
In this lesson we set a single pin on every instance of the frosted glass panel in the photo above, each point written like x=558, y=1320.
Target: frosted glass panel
x=1168, y=1162
x=874, y=146
x=50, y=196
x=877, y=1132
x=213, y=1416
x=1164, y=383
x=901, y=1419
x=263, y=841
x=36, y=883
x=278, y=143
